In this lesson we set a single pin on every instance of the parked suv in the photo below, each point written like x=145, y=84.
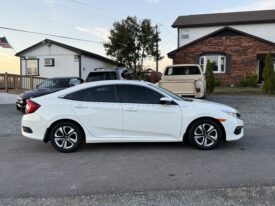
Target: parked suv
x=184, y=80
x=46, y=87
x=119, y=73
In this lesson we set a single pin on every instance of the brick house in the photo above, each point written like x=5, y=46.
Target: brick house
x=237, y=42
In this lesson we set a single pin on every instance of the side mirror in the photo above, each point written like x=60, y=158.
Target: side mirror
x=166, y=101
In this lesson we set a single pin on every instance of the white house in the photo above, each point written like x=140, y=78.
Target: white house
x=50, y=58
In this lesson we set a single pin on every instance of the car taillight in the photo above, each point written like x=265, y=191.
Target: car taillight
x=31, y=106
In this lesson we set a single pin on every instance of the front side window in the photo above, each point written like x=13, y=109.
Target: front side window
x=218, y=60
x=138, y=95
x=105, y=93
x=74, y=82
x=32, y=66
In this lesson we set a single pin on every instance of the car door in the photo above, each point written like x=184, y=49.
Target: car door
x=98, y=110
x=145, y=119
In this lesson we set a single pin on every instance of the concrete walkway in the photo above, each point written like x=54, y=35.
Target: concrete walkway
x=6, y=98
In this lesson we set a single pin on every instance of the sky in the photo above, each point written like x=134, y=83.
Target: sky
x=92, y=19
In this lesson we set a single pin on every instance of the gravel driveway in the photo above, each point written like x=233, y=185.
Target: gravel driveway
x=257, y=111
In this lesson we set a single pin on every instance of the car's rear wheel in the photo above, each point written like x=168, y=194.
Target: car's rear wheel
x=66, y=137
x=205, y=134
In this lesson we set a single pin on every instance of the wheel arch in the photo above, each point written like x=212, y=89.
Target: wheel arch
x=47, y=133
x=185, y=138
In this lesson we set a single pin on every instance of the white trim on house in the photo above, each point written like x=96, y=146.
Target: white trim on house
x=220, y=60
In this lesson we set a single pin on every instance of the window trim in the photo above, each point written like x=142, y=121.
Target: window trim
x=49, y=65
x=220, y=56
x=26, y=66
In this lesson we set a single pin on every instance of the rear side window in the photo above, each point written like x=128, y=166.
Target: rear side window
x=185, y=70
x=95, y=94
x=138, y=95
x=99, y=76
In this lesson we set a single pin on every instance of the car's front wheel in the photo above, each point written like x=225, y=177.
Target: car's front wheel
x=66, y=137
x=205, y=134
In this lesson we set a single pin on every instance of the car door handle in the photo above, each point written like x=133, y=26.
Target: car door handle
x=81, y=107
x=131, y=110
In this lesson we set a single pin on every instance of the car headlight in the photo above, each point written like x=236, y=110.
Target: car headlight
x=233, y=114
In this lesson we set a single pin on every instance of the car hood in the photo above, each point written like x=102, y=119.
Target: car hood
x=37, y=93
x=208, y=105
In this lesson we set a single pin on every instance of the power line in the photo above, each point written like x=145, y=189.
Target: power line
x=36, y=17
x=53, y=35
x=80, y=10
x=97, y=7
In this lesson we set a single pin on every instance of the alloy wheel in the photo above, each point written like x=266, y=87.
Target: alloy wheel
x=65, y=137
x=205, y=135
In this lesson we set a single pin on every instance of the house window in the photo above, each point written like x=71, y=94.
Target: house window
x=219, y=60
x=49, y=62
x=32, y=66
x=184, y=34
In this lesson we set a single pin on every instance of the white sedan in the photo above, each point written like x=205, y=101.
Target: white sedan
x=127, y=111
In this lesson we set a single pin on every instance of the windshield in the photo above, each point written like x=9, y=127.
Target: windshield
x=54, y=83
x=170, y=94
x=183, y=70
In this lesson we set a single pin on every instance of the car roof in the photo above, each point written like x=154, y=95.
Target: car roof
x=107, y=69
x=63, y=77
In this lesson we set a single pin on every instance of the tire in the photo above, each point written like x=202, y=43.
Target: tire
x=205, y=134
x=66, y=137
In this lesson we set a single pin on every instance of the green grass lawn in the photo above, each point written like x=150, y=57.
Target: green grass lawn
x=238, y=91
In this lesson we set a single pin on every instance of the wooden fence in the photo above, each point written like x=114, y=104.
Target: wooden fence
x=18, y=82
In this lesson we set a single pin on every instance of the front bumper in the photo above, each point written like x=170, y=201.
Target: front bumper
x=234, y=129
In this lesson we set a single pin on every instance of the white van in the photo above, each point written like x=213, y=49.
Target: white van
x=184, y=80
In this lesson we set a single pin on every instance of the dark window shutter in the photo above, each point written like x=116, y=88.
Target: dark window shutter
x=197, y=59
x=228, y=63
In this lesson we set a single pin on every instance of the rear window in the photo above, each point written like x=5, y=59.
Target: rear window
x=99, y=76
x=184, y=70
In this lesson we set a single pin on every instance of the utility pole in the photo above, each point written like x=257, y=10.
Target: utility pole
x=157, y=50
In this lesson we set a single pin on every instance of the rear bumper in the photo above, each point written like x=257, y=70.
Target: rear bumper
x=34, y=123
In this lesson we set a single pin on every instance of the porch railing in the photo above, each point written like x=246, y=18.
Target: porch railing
x=18, y=82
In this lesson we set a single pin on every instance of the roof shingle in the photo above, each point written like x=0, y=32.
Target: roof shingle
x=223, y=19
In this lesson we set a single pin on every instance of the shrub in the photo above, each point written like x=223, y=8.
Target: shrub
x=250, y=80
x=269, y=76
x=210, y=81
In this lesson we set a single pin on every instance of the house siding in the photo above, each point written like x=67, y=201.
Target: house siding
x=65, y=64
x=89, y=64
x=241, y=49
x=265, y=31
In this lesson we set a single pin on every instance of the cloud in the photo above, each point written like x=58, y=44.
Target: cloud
x=254, y=5
x=99, y=32
x=152, y=1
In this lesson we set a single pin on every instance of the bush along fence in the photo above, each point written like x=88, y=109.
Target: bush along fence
x=18, y=82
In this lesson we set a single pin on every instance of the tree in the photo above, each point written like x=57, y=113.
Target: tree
x=131, y=42
x=269, y=76
x=210, y=81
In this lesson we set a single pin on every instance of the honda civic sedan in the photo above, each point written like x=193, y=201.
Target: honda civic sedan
x=127, y=111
